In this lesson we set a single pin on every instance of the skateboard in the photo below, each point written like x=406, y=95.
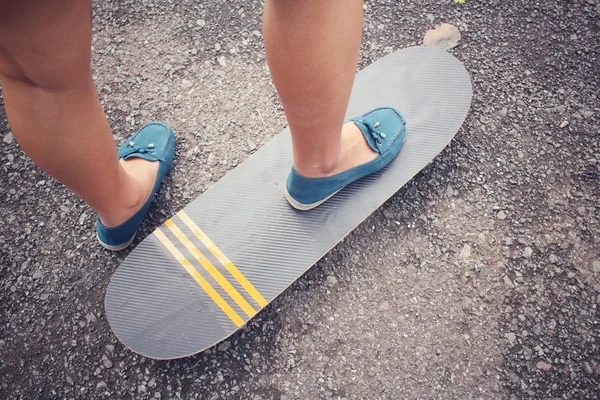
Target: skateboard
x=211, y=267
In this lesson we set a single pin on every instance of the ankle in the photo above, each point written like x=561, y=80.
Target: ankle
x=125, y=204
x=317, y=170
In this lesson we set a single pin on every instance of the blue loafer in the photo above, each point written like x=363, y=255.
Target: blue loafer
x=384, y=130
x=155, y=141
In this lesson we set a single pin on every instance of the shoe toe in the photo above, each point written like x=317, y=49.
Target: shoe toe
x=156, y=138
x=384, y=128
x=390, y=125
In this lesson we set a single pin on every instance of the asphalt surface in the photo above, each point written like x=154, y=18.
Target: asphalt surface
x=479, y=279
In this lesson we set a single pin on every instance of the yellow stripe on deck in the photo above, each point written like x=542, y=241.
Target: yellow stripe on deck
x=223, y=259
x=201, y=281
x=210, y=268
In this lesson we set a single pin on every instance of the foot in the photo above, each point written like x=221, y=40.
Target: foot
x=381, y=134
x=140, y=177
x=145, y=159
x=355, y=151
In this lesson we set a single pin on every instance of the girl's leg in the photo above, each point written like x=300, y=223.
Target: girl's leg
x=53, y=107
x=312, y=49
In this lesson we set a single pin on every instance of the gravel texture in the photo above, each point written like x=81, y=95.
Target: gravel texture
x=479, y=279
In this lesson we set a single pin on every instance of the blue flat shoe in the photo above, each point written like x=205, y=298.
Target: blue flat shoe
x=384, y=130
x=155, y=141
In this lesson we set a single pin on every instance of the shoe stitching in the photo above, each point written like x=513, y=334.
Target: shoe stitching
x=402, y=125
x=166, y=142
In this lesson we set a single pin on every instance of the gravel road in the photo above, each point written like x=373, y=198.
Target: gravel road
x=479, y=279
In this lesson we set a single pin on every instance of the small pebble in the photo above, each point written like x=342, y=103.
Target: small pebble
x=82, y=218
x=564, y=124
x=557, y=109
x=542, y=366
x=511, y=337
x=224, y=346
x=191, y=152
x=8, y=138
x=508, y=282
x=106, y=362
x=588, y=114
x=465, y=252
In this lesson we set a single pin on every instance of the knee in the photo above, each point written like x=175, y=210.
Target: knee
x=41, y=51
x=51, y=75
x=10, y=69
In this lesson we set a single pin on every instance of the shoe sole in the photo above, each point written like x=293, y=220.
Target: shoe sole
x=116, y=248
x=305, y=207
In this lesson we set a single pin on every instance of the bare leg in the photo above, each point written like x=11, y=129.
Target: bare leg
x=53, y=108
x=312, y=49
